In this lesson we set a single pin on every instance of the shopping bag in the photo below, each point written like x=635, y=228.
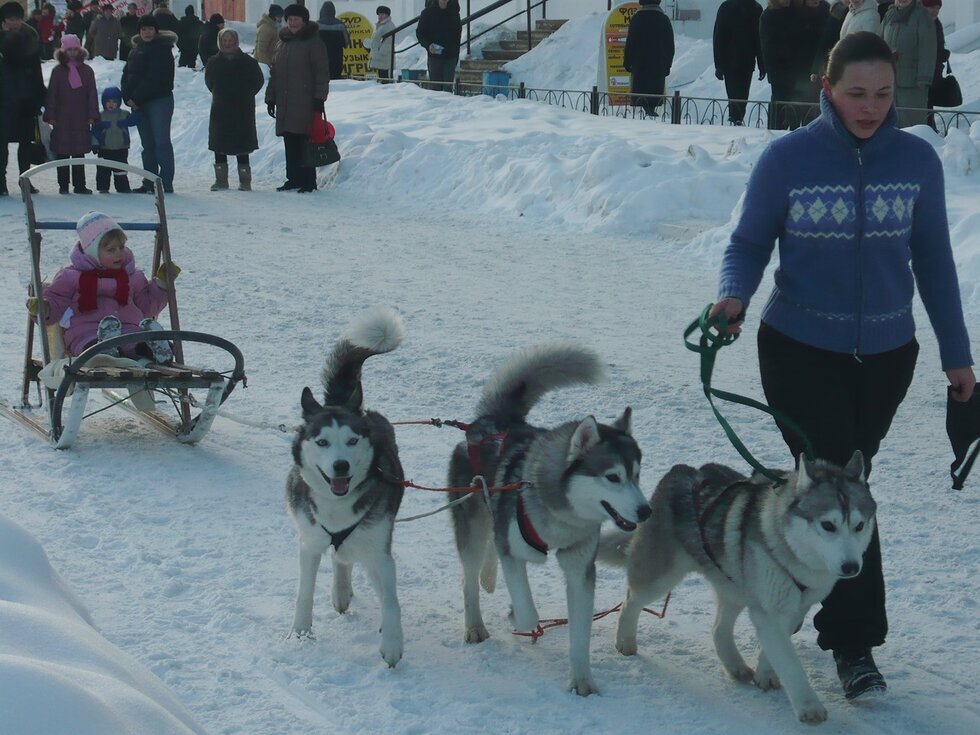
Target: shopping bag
x=36, y=149
x=321, y=148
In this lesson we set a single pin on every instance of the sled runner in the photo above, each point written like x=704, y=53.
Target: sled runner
x=63, y=383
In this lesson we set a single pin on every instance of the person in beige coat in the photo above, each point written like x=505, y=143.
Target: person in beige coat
x=381, y=48
x=267, y=35
x=911, y=33
x=299, y=81
x=861, y=16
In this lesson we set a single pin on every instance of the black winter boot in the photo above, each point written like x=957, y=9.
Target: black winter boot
x=858, y=673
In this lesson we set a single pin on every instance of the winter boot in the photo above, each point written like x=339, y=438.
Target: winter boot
x=108, y=328
x=162, y=352
x=78, y=180
x=220, y=177
x=245, y=178
x=858, y=673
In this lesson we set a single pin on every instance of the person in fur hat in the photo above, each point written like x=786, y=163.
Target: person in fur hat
x=71, y=108
x=148, y=88
x=267, y=35
x=299, y=81
x=380, y=59
x=102, y=293
x=21, y=87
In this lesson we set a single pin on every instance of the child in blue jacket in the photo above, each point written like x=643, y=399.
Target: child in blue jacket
x=110, y=140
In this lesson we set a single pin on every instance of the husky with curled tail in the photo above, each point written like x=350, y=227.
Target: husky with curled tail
x=579, y=474
x=776, y=550
x=344, y=489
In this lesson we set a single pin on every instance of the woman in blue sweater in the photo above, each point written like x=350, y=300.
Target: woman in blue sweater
x=858, y=208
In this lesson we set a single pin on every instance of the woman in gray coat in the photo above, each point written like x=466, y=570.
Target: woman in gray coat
x=910, y=31
x=299, y=81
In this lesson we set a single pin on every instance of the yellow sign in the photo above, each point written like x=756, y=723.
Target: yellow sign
x=616, y=80
x=356, y=56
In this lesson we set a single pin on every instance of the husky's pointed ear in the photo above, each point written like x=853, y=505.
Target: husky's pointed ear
x=585, y=437
x=625, y=422
x=309, y=403
x=804, y=477
x=855, y=466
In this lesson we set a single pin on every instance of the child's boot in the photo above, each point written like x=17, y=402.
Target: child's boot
x=108, y=328
x=162, y=352
x=245, y=177
x=220, y=177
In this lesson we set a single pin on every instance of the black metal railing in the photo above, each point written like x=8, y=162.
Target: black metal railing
x=680, y=110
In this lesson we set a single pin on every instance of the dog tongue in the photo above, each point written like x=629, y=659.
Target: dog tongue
x=340, y=485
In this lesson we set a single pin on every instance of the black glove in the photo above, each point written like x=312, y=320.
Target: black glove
x=318, y=105
x=719, y=74
x=271, y=107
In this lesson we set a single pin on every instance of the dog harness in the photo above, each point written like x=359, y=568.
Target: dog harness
x=338, y=537
x=528, y=532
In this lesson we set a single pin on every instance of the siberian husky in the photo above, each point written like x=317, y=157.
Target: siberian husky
x=343, y=490
x=579, y=475
x=776, y=550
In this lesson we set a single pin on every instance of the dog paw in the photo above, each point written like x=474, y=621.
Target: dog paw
x=476, y=634
x=301, y=635
x=583, y=686
x=811, y=711
x=766, y=680
x=525, y=621
x=391, y=652
x=626, y=645
x=742, y=673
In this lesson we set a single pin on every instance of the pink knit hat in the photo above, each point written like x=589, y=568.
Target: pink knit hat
x=69, y=41
x=91, y=228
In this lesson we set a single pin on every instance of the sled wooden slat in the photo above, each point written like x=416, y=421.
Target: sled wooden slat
x=63, y=225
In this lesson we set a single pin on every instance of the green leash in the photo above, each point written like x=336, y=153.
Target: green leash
x=714, y=336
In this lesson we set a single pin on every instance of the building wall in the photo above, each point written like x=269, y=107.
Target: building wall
x=961, y=13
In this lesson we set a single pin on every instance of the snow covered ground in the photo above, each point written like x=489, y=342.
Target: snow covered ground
x=491, y=226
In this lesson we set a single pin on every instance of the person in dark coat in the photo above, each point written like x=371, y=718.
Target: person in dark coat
x=779, y=41
x=166, y=20
x=189, y=30
x=439, y=31
x=335, y=37
x=234, y=79
x=813, y=17
x=299, y=82
x=649, y=54
x=208, y=44
x=942, y=56
x=148, y=88
x=130, y=28
x=74, y=20
x=22, y=86
x=737, y=52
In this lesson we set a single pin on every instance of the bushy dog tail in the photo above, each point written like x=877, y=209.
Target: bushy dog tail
x=375, y=332
x=520, y=382
x=613, y=547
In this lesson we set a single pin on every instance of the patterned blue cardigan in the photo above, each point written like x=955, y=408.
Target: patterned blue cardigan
x=849, y=218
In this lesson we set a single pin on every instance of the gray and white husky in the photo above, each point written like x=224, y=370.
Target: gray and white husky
x=580, y=474
x=343, y=490
x=776, y=550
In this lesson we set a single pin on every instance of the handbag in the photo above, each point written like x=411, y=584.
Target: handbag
x=946, y=92
x=321, y=148
x=37, y=151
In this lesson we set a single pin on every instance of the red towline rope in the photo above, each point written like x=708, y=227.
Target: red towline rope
x=468, y=488
x=556, y=622
x=434, y=422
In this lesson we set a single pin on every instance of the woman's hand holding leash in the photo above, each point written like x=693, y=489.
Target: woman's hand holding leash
x=733, y=310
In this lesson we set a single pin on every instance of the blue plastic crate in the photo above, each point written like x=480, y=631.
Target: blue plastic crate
x=413, y=75
x=496, y=82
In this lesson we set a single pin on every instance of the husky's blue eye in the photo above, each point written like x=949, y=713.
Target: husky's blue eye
x=322, y=443
x=353, y=442
x=613, y=477
x=828, y=527
x=859, y=527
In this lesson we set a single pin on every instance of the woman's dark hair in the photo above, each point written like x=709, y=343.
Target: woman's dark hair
x=856, y=47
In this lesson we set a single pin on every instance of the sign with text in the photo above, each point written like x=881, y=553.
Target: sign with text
x=613, y=78
x=356, y=57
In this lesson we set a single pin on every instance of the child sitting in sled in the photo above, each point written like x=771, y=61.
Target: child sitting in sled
x=102, y=294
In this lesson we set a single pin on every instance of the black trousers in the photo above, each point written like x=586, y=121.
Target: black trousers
x=842, y=405
x=241, y=159
x=103, y=174
x=303, y=176
x=188, y=59
x=77, y=174
x=737, y=85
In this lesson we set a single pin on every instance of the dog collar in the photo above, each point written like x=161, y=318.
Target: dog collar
x=528, y=532
x=338, y=537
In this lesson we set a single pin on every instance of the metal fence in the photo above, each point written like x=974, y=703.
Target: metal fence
x=680, y=110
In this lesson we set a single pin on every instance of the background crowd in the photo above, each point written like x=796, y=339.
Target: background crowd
x=788, y=42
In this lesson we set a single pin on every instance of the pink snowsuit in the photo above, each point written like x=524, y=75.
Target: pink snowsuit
x=146, y=299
